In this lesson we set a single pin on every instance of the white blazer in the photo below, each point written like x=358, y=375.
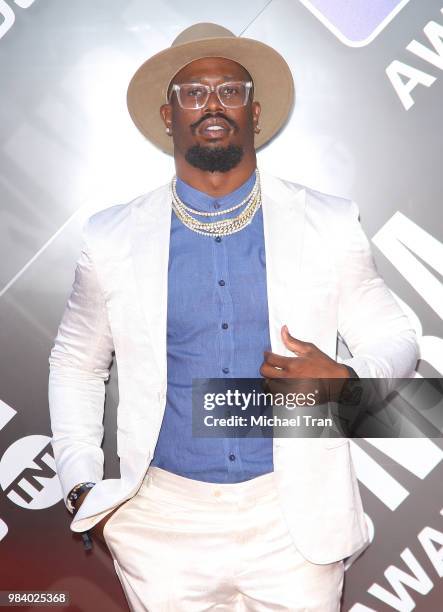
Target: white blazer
x=321, y=280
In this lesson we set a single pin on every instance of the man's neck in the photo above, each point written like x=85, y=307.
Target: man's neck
x=215, y=184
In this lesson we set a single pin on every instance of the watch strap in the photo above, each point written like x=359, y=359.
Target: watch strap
x=87, y=541
x=75, y=493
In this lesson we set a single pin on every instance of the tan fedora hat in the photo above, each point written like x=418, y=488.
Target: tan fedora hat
x=273, y=83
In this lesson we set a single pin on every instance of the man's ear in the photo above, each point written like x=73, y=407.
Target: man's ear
x=166, y=115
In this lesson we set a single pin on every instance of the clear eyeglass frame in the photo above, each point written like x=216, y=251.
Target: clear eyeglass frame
x=209, y=89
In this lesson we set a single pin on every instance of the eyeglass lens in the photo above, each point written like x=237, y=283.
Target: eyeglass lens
x=195, y=95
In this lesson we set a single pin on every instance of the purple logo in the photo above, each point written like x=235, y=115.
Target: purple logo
x=355, y=22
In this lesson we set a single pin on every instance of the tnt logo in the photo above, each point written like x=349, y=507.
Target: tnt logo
x=27, y=473
x=355, y=23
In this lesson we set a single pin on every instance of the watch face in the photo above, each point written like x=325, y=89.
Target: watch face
x=355, y=23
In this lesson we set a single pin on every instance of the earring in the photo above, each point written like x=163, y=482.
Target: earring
x=168, y=130
x=257, y=129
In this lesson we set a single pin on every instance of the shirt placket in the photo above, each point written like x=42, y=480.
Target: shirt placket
x=227, y=330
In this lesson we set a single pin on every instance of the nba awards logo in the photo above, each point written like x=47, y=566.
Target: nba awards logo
x=355, y=23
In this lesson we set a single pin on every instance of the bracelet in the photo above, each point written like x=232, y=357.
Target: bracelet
x=75, y=493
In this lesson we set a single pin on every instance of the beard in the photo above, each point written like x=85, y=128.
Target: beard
x=214, y=159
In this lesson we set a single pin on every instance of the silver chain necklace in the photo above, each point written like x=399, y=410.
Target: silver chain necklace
x=251, y=194
x=223, y=227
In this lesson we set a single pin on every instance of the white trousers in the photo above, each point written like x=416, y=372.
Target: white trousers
x=182, y=545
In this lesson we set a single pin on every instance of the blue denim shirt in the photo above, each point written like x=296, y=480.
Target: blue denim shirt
x=217, y=327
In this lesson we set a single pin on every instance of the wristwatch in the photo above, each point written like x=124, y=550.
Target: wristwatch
x=71, y=499
x=75, y=493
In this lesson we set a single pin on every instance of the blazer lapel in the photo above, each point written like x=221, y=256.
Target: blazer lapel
x=283, y=221
x=150, y=253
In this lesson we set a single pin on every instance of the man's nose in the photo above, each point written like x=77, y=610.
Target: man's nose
x=213, y=103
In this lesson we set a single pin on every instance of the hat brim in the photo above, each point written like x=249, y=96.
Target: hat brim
x=273, y=84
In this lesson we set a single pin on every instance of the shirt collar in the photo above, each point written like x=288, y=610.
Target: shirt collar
x=202, y=201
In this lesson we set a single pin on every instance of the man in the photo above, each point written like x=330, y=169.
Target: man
x=227, y=272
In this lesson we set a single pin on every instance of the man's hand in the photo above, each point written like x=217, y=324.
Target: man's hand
x=284, y=373
x=310, y=362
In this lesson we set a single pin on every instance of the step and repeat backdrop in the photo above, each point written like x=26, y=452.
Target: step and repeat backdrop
x=366, y=125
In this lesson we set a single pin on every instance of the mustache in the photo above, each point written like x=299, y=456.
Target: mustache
x=219, y=115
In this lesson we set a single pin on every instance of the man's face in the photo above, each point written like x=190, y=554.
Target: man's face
x=214, y=137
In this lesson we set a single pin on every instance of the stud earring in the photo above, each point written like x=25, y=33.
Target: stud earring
x=168, y=130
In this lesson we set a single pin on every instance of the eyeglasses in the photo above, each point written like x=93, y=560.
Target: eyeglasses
x=232, y=94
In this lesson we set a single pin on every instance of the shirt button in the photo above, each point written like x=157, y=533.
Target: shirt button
x=225, y=370
x=218, y=239
x=221, y=283
x=216, y=205
x=225, y=326
x=232, y=457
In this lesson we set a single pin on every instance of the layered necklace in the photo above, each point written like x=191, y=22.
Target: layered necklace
x=223, y=227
